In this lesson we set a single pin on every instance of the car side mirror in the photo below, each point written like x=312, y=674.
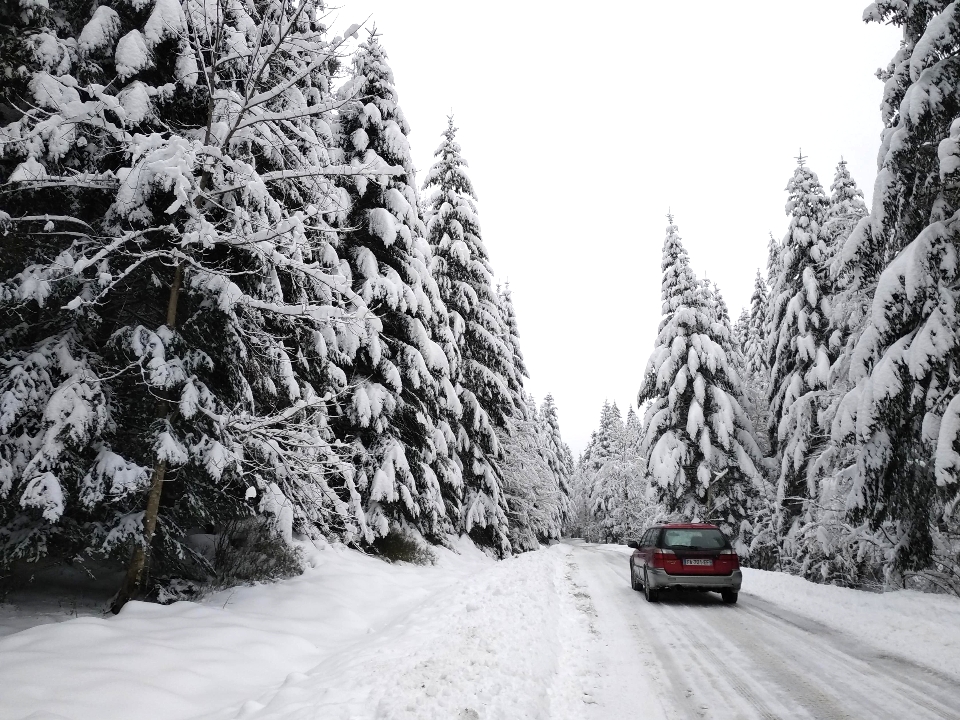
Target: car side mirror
x=634, y=545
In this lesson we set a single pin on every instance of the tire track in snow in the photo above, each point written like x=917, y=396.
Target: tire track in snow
x=707, y=688
x=797, y=695
x=878, y=688
x=807, y=671
x=731, y=679
x=927, y=681
x=630, y=687
x=748, y=661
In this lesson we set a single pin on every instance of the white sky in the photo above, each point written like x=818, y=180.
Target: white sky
x=583, y=123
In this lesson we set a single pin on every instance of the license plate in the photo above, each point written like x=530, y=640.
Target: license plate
x=697, y=561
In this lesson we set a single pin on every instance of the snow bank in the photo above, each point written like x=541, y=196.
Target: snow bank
x=186, y=659
x=488, y=648
x=919, y=627
x=353, y=637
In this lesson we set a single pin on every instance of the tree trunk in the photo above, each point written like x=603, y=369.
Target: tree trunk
x=133, y=582
x=709, y=504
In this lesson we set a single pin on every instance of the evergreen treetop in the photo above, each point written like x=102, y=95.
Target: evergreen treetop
x=486, y=378
x=697, y=439
x=397, y=414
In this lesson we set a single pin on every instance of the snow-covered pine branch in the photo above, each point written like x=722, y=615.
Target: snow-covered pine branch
x=199, y=280
x=900, y=413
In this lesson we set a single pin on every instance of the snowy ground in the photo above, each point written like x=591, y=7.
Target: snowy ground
x=553, y=634
x=788, y=649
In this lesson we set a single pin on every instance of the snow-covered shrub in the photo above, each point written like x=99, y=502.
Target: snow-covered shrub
x=253, y=550
x=401, y=546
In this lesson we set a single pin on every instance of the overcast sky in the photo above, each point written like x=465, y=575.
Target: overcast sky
x=584, y=122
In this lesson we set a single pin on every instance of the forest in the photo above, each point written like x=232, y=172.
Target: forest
x=231, y=319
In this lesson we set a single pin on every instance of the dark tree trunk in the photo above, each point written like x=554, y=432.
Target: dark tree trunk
x=134, y=580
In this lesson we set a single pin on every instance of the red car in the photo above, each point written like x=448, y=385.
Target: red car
x=690, y=556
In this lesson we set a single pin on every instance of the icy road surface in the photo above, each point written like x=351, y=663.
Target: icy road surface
x=552, y=635
x=752, y=660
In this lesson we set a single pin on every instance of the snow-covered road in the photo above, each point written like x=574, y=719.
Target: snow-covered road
x=550, y=635
x=752, y=660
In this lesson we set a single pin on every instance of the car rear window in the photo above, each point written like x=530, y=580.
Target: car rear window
x=694, y=539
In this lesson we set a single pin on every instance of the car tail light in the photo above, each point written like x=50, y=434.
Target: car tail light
x=731, y=557
x=662, y=556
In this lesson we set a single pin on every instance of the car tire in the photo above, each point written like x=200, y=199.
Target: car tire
x=650, y=594
x=729, y=597
x=634, y=583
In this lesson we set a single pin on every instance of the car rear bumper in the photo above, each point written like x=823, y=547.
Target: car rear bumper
x=660, y=579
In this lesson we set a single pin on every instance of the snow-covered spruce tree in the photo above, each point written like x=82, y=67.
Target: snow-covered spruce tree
x=608, y=487
x=486, y=377
x=633, y=430
x=610, y=435
x=774, y=269
x=903, y=416
x=852, y=288
x=732, y=347
x=753, y=345
x=579, y=520
x=535, y=463
x=517, y=368
x=799, y=351
x=846, y=209
x=757, y=529
x=634, y=508
x=697, y=439
x=185, y=304
x=43, y=349
x=754, y=374
x=721, y=326
x=536, y=497
x=720, y=310
x=558, y=453
x=523, y=448
x=741, y=330
x=826, y=550
x=397, y=417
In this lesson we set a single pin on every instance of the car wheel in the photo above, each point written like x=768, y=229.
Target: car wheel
x=650, y=594
x=634, y=583
x=729, y=597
